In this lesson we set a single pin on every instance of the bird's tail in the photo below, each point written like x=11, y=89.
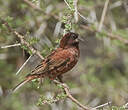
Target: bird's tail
x=28, y=78
x=19, y=85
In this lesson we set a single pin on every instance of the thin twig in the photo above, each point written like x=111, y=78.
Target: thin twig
x=8, y=46
x=66, y=89
x=84, y=18
x=67, y=4
x=33, y=5
x=76, y=10
x=23, y=65
x=103, y=15
x=101, y=106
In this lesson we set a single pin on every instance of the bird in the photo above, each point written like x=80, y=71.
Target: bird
x=60, y=61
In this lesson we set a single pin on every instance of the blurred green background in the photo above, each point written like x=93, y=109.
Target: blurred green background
x=101, y=74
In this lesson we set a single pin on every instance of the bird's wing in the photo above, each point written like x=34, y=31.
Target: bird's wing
x=42, y=65
x=49, y=64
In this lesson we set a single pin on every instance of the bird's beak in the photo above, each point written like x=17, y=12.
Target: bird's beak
x=77, y=40
x=80, y=39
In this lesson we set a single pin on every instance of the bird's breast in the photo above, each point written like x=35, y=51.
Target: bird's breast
x=70, y=57
x=74, y=57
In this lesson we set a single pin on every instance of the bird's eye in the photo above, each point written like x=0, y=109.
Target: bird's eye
x=74, y=36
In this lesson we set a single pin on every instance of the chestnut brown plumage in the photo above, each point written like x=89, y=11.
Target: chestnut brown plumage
x=58, y=62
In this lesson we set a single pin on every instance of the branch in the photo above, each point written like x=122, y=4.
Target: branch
x=22, y=38
x=66, y=89
x=110, y=35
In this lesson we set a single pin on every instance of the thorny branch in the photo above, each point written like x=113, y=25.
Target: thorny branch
x=67, y=91
x=22, y=38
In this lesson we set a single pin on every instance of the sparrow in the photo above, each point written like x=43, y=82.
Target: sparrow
x=60, y=61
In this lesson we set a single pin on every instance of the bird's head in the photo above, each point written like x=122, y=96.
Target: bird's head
x=69, y=39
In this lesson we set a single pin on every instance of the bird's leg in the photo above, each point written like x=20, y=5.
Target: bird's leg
x=60, y=78
x=40, y=82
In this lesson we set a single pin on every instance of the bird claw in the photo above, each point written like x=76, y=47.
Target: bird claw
x=65, y=85
x=40, y=83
